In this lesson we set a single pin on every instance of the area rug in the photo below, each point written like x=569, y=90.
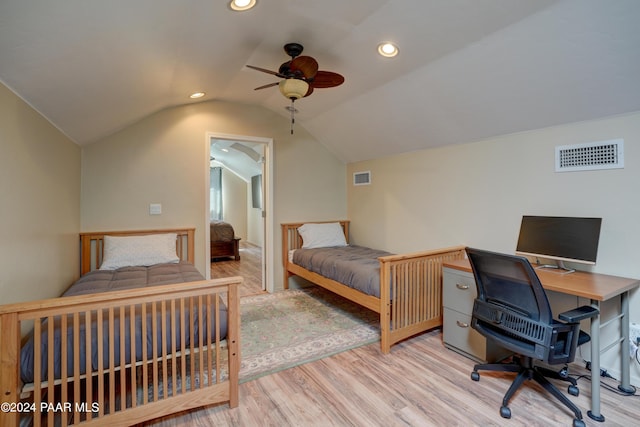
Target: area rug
x=292, y=327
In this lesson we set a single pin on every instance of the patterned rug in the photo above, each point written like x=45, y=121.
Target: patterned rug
x=289, y=328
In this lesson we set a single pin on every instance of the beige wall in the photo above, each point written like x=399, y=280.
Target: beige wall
x=238, y=209
x=255, y=232
x=163, y=159
x=234, y=202
x=476, y=194
x=39, y=204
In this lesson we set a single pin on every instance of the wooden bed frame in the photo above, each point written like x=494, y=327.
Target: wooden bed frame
x=415, y=282
x=189, y=376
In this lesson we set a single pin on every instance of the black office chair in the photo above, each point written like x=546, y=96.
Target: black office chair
x=512, y=311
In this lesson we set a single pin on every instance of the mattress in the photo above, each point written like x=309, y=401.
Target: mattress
x=112, y=280
x=354, y=266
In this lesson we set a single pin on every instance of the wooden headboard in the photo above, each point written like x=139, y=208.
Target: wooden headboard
x=92, y=245
x=291, y=239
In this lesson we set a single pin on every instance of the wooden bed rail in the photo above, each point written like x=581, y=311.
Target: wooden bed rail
x=183, y=370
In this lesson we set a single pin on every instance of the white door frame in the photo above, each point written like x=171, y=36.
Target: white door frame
x=268, y=214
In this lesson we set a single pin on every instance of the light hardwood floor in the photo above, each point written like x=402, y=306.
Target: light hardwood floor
x=249, y=267
x=420, y=383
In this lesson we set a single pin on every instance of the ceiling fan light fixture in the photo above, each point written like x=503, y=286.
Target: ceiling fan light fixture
x=293, y=88
x=388, y=49
x=241, y=5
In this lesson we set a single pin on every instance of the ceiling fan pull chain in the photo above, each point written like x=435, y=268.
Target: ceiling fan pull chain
x=293, y=120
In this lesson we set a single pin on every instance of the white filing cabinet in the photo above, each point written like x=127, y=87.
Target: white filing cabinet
x=459, y=291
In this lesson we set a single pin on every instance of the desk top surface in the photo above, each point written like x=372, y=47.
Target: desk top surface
x=600, y=287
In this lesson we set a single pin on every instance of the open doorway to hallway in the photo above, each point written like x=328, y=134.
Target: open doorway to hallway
x=238, y=199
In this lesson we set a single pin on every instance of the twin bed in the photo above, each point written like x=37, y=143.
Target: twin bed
x=410, y=301
x=140, y=335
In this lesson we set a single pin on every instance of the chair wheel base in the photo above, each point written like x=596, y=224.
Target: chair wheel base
x=573, y=390
x=505, y=412
x=599, y=418
x=475, y=376
x=578, y=423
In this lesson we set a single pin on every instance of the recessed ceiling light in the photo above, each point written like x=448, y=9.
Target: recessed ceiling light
x=240, y=5
x=387, y=49
x=196, y=95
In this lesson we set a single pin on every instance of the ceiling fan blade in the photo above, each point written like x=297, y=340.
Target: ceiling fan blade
x=266, y=86
x=309, y=91
x=264, y=70
x=306, y=65
x=324, y=79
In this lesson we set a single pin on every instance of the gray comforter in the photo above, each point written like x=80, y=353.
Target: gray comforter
x=355, y=266
x=110, y=280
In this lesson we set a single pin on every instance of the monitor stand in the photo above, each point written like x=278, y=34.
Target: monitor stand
x=559, y=267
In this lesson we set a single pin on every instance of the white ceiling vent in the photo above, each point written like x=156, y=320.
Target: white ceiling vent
x=362, y=178
x=590, y=156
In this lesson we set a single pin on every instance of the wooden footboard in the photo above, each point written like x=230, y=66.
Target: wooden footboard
x=224, y=249
x=124, y=388
x=412, y=303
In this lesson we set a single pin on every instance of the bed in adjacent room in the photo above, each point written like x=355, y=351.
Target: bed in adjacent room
x=224, y=242
x=410, y=301
x=140, y=335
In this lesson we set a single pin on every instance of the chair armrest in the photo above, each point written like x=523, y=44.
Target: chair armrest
x=578, y=314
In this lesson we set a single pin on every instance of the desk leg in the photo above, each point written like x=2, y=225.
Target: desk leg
x=625, y=381
x=594, y=413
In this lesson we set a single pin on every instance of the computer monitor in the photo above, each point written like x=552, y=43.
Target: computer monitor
x=560, y=238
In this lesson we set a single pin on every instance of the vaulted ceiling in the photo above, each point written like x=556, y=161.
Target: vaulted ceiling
x=467, y=69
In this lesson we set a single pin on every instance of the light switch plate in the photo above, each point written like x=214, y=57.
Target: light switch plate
x=155, y=209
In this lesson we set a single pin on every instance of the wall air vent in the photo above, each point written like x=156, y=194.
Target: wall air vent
x=590, y=156
x=362, y=178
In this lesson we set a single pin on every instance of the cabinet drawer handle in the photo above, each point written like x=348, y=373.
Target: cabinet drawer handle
x=462, y=287
x=462, y=324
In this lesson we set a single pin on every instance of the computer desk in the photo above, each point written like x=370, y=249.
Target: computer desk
x=597, y=288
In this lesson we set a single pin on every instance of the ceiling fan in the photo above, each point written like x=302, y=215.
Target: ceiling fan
x=300, y=76
x=303, y=68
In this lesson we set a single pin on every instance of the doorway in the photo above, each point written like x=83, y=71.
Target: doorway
x=247, y=206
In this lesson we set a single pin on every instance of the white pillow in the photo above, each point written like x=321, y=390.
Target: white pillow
x=126, y=251
x=322, y=235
